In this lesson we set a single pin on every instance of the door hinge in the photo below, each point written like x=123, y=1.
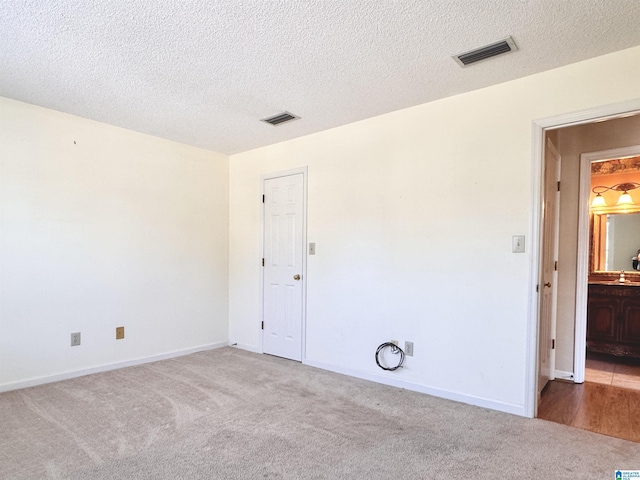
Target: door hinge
x=262, y=325
x=553, y=344
x=558, y=186
x=263, y=262
x=538, y=288
x=555, y=266
x=262, y=198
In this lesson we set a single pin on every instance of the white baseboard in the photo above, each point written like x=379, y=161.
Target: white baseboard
x=505, y=407
x=248, y=348
x=105, y=368
x=564, y=375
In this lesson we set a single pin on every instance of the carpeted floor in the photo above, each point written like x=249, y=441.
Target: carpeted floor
x=229, y=414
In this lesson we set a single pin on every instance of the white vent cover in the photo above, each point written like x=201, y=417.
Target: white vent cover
x=498, y=48
x=280, y=118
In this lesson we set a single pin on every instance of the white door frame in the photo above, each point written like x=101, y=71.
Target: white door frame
x=580, y=348
x=268, y=176
x=537, y=163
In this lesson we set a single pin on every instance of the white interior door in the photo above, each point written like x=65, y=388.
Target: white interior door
x=283, y=266
x=548, y=283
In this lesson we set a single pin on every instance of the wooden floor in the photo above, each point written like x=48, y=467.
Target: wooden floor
x=600, y=408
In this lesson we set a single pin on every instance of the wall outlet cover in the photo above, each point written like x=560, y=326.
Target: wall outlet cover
x=75, y=339
x=119, y=333
x=408, y=349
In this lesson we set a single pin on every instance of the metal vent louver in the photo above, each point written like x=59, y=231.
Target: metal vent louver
x=498, y=48
x=280, y=118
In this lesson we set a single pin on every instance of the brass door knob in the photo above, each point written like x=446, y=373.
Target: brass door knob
x=296, y=277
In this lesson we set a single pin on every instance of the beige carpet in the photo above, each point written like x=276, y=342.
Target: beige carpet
x=229, y=414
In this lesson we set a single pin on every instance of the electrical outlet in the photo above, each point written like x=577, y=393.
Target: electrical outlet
x=119, y=333
x=408, y=349
x=75, y=339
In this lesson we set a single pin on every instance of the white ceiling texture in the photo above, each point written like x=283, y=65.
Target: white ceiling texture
x=204, y=72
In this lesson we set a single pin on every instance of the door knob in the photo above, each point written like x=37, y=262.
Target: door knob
x=548, y=284
x=296, y=277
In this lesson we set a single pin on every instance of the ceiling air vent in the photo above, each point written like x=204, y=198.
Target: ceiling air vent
x=280, y=118
x=498, y=48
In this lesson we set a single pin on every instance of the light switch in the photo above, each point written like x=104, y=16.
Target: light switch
x=517, y=244
x=312, y=249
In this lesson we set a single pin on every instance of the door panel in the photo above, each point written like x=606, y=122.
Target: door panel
x=601, y=319
x=548, y=287
x=631, y=323
x=283, y=264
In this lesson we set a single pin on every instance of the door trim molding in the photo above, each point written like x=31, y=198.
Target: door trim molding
x=268, y=176
x=539, y=128
x=582, y=284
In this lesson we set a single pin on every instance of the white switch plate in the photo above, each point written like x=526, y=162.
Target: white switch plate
x=517, y=244
x=312, y=249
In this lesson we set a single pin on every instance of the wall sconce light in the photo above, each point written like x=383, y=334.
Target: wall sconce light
x=625, y=198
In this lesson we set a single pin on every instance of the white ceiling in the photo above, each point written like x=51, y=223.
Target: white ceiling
x=203, y=72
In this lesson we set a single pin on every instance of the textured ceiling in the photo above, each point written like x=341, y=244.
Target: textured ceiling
x=203, y=72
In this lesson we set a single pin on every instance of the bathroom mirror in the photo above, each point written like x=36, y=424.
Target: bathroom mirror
x=615, y=239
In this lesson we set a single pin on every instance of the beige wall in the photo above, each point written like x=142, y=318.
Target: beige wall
x=572, y=142
x=394, y=260
x=102, y=227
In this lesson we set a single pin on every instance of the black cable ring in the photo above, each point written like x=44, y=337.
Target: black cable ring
x=394, y=349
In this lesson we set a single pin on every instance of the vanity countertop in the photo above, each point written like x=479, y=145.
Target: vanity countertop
x=616, y=283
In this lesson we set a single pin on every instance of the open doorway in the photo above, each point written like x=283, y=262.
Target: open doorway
x=572, y=402
x=609, y=242
x=576, y=145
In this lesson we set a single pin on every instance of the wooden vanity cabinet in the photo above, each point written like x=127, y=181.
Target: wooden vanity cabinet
x=613, y=319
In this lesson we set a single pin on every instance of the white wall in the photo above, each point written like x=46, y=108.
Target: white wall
x=103, y=227
x=412, y=214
